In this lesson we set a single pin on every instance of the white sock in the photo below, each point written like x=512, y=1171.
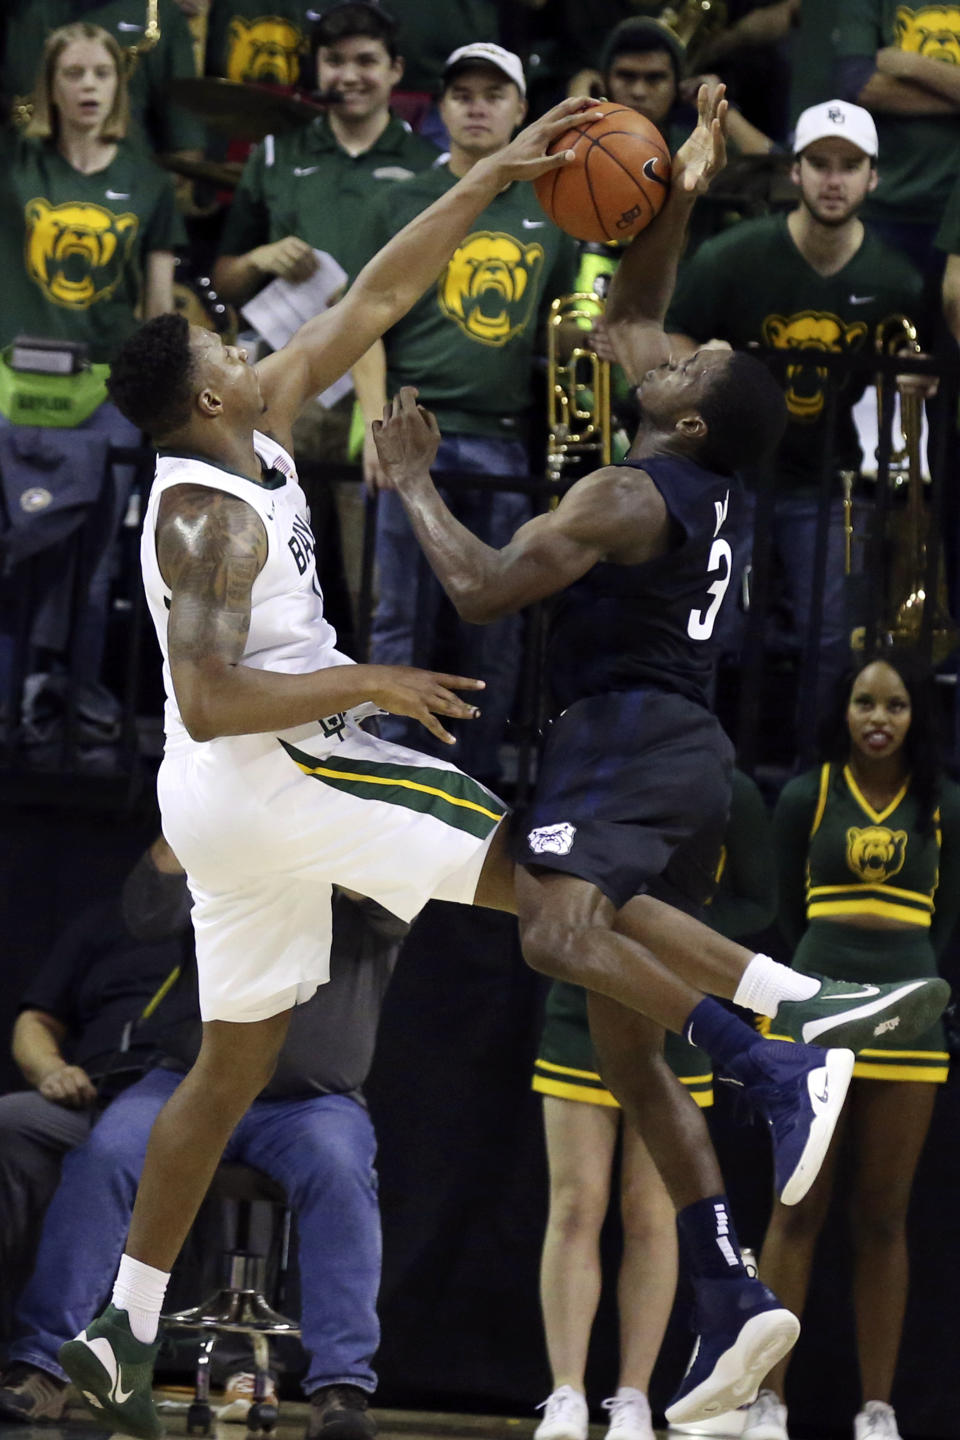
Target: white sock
x=139, y=1289
x=766, y=982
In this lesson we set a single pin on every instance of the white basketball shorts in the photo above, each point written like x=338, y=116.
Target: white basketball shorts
x=265, y=834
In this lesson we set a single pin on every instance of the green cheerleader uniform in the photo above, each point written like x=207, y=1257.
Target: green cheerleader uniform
x=837, y=856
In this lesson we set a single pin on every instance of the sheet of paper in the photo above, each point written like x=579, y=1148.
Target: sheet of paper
x=280, y=308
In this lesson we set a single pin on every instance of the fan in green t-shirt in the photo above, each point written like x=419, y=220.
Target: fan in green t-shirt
x=813, y=280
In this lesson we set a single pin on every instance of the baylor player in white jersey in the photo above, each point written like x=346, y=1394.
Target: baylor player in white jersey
x=262, y=847
x=267, y=787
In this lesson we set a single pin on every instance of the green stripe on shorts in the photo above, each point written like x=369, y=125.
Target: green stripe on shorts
x=447, y=795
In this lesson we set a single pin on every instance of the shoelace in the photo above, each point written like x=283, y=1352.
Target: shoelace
x=618, y=1404
x=555, y=1405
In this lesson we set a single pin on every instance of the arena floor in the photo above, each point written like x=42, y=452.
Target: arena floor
x=394, y=1425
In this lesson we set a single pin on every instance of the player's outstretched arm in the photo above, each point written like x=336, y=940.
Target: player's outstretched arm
x=644, y=280
x=596, y=520
x=211, y=548
x=328, y=345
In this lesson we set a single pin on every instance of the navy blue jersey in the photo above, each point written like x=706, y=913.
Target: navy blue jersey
x=620, y=627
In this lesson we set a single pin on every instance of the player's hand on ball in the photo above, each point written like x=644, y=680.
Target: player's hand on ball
x=423, y=695
x=407, y=439
x=704, y=154
x=526, y=156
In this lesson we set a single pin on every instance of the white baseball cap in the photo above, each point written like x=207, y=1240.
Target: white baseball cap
x=484, y=52
x=837, y=119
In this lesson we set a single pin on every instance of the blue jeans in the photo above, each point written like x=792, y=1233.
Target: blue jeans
x=408, y=610
x=794, y=545
x=320, y=1149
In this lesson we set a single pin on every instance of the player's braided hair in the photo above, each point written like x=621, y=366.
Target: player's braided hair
x=152, y=380
x=745, y=413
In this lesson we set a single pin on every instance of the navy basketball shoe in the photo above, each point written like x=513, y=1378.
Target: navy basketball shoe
x=742, y=1331
x=799, y=1090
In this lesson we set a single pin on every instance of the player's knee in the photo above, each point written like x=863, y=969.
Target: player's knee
x=550, y=946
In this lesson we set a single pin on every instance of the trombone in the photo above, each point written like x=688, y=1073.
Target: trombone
x=578, y=391
x=907, y=558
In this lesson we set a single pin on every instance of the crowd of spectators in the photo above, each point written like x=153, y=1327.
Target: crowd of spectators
x=133, y=186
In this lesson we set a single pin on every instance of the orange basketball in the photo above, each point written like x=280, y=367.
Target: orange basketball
x=618, y=181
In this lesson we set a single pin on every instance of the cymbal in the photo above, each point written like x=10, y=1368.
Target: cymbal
x=246, y=112
x=225, y=173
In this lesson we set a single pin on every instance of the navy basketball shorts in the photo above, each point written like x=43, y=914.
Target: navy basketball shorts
x=632, y=795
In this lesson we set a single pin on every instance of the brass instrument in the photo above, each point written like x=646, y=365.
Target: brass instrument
x=908, y=531
x=694, y=22
x=578, y=390
x=21, y=107
x=151, y=36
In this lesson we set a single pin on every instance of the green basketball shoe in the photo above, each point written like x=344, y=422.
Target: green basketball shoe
x=853, y=1015
x=113, y=1371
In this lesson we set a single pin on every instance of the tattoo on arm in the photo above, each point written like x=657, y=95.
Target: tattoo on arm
x=211, y=547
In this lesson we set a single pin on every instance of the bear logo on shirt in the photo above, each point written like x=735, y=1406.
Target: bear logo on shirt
x=810, y=330
x=489, y=287
x=930, y=30
x=76, y=252
x=874, y=853
x=265, y=51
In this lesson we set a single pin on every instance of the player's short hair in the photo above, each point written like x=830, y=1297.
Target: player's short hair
x=356, y=17
x=745, y=413
x=152, y=378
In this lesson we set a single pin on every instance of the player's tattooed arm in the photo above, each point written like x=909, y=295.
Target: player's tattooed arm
x=211, y=547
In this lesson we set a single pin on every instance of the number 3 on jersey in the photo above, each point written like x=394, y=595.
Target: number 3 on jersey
x=700, y=623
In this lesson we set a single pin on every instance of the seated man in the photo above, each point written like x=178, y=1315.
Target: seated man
x=68, y=1041
x=309, y=1130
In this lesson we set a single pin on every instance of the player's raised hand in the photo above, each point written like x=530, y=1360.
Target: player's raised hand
x=423, y=695
x=704, y=154
x=526, y=156
x=407, y=439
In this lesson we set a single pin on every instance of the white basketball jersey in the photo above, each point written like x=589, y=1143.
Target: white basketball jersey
x=288, y=631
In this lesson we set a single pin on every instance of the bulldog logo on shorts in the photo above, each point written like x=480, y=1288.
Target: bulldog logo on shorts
x=552, y=839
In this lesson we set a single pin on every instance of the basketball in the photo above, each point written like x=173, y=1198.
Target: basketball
x=618, y=181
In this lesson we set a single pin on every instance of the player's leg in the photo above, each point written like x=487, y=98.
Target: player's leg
x=581, y=1142
x=889, y=1122
x=111, y=1361
x=742, y=1327
x=806, y=1007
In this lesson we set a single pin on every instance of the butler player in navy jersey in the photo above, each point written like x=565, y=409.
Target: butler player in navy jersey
x=633, y=784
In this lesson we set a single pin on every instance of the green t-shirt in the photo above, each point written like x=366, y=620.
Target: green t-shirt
x=813, y=56
x=751, y=285
x=256, y=43
x=167, y=126
x=948, y=235
x=73, y=247
x=919, y=155
x=306, y=184
x=470, y=341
